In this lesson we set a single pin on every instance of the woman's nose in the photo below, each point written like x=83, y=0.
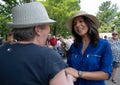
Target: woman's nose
x=78, y=24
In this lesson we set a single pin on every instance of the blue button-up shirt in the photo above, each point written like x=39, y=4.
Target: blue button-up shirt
x=97, y=58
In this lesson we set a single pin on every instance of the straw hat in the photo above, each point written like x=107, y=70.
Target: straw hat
x=82, y=13
x=29, y=14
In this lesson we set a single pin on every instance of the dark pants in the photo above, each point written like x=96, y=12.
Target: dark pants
x=116, y=64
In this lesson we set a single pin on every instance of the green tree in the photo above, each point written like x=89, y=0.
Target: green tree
x=117, y=22
x=106, y=15
x=60, y=10
x=3, y=27
x=5, y=14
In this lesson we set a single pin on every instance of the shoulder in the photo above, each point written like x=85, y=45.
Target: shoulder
x=103, y=41
x=45, y=51
x=48, y=55
x=72, y=46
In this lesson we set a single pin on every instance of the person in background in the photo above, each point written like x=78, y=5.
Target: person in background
x=29, y=61
x=90, y=55
x=115, y=46
x=105, y=37
x=47, y=41
x=53, y=42
x=60, y=48
x=66, y=44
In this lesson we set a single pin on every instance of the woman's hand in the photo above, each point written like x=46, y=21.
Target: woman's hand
x=72, y=72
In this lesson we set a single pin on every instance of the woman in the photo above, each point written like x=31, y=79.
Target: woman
x=115, y=46
x=90, y=55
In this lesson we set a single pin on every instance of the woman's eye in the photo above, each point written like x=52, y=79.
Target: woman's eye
x=80, y=21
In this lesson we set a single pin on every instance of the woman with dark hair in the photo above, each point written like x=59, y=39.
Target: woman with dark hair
x=90, y=55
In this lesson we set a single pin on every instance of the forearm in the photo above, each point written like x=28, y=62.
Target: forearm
x=70, y=79
x=98, y=75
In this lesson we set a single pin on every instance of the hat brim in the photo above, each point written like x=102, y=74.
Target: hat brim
x=24, y=25
x=91, y=17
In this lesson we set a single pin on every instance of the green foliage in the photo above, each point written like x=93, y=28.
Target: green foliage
x=60, y=10
x=5, y=14
x=117, y=22
x=5, y=9
x=3, y=26
x=106, y=15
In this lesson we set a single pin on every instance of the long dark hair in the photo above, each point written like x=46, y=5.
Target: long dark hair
x=92, y=32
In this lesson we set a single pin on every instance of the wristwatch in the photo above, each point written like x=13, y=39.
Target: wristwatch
x=80, y=73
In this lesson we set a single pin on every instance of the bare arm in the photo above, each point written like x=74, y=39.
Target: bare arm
x=59, y=79
x=70, y=79
x=98, y=75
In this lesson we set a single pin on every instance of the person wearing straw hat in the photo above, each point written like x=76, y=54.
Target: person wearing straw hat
x=89, y=55
x=29, y=61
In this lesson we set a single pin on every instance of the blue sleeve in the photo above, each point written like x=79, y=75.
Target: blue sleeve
x=107, y=59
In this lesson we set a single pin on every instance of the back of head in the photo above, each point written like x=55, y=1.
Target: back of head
x=26, y=17
x=29, y=14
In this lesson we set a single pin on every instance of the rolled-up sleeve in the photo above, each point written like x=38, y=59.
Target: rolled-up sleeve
x=107, y=59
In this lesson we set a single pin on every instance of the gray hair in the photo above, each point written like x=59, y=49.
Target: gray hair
x=25, y=34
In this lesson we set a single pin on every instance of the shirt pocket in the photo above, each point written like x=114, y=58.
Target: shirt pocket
x=75, y=60
x=93, y=62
